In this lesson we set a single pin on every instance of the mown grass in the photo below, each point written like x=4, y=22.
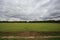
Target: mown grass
x=29, y=26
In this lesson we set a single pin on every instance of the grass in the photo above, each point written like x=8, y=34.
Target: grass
x=21, y=39
x=29, y=26
x=53, y=38
x=30, y=39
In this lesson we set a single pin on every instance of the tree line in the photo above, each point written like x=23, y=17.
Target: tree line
x=49, y=21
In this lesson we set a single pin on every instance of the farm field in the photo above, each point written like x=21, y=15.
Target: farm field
x=29, y=26
x=29, y=29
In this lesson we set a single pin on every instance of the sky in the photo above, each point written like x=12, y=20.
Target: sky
x=29, y=10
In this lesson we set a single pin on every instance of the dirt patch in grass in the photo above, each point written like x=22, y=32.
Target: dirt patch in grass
x=30, y=33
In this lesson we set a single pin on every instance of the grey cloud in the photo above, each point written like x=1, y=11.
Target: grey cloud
x=30, y=9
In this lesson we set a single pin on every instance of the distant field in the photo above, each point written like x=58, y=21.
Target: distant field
x=29, y=26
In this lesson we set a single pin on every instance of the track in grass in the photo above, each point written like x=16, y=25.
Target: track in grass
x=29, y=39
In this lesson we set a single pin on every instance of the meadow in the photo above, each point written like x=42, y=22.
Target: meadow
x=38, y=27
x=29, y=26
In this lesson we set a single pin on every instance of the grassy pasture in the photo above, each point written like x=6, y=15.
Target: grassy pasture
x=29, y=26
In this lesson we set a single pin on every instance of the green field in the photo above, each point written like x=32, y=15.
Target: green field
x=29, y=26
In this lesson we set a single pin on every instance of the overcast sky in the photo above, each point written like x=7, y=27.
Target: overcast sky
x=13, y=10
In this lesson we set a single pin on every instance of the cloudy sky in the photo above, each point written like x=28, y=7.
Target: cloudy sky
x=15, y=10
